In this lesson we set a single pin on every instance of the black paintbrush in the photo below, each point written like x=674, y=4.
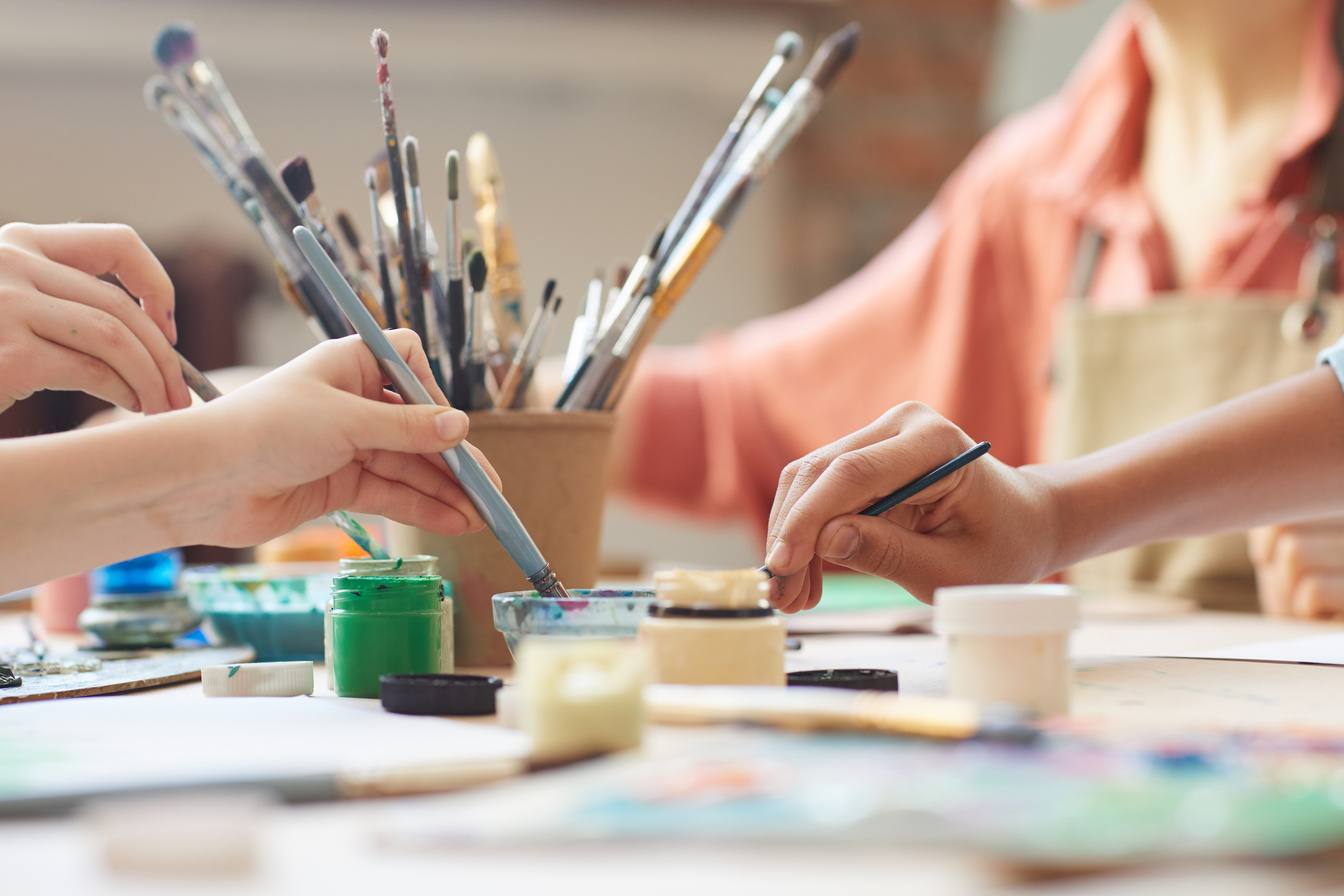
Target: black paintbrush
x=456, y=324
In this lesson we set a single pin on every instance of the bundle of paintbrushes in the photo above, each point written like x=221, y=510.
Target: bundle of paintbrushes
x=762, y=127
x=469, y=310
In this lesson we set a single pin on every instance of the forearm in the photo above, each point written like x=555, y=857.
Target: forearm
x=1274, y=455
x=90, y=497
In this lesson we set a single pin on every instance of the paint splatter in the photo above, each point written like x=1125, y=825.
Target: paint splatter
x=233, y=669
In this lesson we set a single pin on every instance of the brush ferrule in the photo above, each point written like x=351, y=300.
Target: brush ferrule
x=547, y=583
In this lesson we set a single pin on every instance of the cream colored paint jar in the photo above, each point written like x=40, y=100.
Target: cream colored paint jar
x=713, y=628
x=1009, y=644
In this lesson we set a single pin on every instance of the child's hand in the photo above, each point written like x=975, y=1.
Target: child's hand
x=65, y=329
x=986, y=522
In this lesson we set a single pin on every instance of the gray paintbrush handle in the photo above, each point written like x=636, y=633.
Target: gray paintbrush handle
x=480, y=488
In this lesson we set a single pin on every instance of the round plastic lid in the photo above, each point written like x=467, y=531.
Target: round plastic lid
x=1005, y=609
x=439, y=694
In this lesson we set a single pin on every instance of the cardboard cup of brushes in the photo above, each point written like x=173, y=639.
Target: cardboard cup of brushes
x=554, y=468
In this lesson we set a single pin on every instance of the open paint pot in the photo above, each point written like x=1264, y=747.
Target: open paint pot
x=586, y=613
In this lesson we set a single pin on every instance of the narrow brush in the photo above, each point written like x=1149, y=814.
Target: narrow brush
x=534, y=354
x=364, y=271
x=410, y=265
x=509, y=386
x=429, y=336
x=392, y=319
x=477, y=348
x=460, y=393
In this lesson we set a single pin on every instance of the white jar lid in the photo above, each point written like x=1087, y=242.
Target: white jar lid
x=1005, y=609
x=291, y=679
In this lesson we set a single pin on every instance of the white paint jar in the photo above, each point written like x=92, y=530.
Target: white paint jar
x=1009, y=644
x=713, y=628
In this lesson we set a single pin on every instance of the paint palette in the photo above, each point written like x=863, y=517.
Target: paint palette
x=1074, y=801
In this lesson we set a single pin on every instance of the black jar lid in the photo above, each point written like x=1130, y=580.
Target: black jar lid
x=851, y=679
x=664, y=608
x=439, y=695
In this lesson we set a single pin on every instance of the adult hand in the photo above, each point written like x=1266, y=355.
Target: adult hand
x=321, y=434
x=1299, y=568
x=65, y=329
x=987, y=522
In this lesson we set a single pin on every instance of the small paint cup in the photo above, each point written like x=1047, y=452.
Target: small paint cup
x=386, y=625
x=1009, y=644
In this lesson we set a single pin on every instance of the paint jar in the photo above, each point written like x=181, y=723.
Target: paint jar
x=386, y=617
x=1009, y=644
x=713, y=628
x=580, y=696
x=136, y=603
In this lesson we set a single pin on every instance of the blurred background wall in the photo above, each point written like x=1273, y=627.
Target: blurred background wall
x=601, y=113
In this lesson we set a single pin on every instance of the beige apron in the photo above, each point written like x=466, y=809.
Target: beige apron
x=1124, y=373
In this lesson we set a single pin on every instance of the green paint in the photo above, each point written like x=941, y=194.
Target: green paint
x=384, y=625
x=74, y=332
x=233, y=669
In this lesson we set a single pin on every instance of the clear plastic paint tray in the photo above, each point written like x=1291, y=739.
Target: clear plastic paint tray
x=275, y=608
x=586, y=613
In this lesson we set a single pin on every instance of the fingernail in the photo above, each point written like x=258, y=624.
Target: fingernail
x=842, y=543
x=450, y=425
x=778, y=561
x=136, y=407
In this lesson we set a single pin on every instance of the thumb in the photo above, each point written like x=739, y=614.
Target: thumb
x=412, y=428
x=878, y=547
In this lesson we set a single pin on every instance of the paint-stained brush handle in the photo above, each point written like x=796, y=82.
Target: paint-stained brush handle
x=480, y=488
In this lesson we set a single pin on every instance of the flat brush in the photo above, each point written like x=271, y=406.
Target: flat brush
x=582, y=388
x=787, y=46
x=583, y=336
x=480, y=488
x=685, y=260
x=410, y=263
x=208, y=391
x=509, y=386
x=456, y=323
x=506, y=281
x=200, y=84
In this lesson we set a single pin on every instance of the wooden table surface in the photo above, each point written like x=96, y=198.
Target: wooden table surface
x=335, y=847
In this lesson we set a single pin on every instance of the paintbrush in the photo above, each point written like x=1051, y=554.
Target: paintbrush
x=787, y=46
x=769, y=103
x=506, y=281
x=477, y=340
x=266, y=227
x=509, y=386
x=833, y=709
x=480, y=488
x=297, y=177
x=410, y=264
x=908, y=491
x=580, y=390
x=200, y=84
x=688, y=256
x=533, y=355
x=368, y=277
x=430, y=300
x=207, y=391
x=390, y=303
x=583, y=336
x=456, y=323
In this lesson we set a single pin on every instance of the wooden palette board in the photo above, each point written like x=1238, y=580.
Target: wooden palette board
x=157, y=667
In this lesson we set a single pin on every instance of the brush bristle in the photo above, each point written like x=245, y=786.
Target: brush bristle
x=370, y=178
x=476, y=271
x=298, y=178
x=347, y=226
x=832, y=55
x=547, y=292
x=175, y=45
x=412, y=147
x=379, y=42
x=451, y=163
x=788, y=44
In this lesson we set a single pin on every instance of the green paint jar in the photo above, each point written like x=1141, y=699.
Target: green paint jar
x=383, y=623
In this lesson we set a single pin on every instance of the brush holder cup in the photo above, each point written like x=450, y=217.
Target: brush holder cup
x=553, y=466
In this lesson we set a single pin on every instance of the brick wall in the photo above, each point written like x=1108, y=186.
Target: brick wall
x=900, y=119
